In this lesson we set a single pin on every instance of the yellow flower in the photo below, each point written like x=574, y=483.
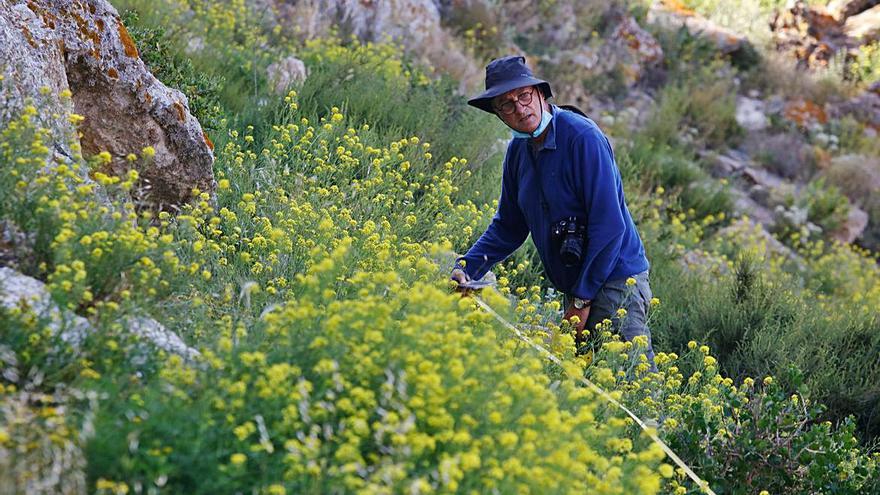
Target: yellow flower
x=238, y=459
x=768, y=380
x=692, y=345
x=621, y=312
x=276, y=489
x=149, y=152
x=630, y=282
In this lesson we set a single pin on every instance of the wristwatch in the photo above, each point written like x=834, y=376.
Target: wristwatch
x=581, y=303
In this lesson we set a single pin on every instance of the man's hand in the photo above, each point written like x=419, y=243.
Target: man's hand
x=461, y=277
x=582, y=315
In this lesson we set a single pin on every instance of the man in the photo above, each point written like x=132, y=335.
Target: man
x=560, y=184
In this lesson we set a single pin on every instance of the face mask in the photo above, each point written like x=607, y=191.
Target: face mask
x=545, y=121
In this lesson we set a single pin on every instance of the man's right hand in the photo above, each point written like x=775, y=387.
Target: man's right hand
x=461, y=277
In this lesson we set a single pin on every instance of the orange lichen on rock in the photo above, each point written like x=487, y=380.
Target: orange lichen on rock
x=148, y=98
x=678, y=7
x=113, y=73
x=208, y=140
x=803, y=112
x=127, y=42
x=181, y=111
x=30, y=38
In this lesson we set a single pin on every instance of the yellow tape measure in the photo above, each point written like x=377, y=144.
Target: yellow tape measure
x=650, y=431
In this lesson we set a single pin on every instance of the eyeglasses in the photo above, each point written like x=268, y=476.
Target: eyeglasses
x=508, y=107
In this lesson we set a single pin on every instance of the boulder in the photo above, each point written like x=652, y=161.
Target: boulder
x=637, y=48
x=415, y=24
x=18, y=290
x=864, y=27
x=841, y=9
x=750, y=113
x=726, y=41
x=82, y=46
x=855, y=224
x=283, y=73
x=724, y=165
x=743, y=204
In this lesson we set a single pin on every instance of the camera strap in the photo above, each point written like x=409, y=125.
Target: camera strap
x=533, y=155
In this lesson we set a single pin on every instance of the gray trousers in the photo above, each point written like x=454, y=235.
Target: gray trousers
x=636, y=300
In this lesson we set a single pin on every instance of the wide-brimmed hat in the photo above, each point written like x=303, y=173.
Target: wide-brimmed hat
x=504, y=74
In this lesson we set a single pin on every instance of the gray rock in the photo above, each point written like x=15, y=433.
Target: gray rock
x=726, y=41
x=761, y=177
x=724, y=165
x=152, y=331
x=17, y=290
x=283, y=73
x=750, y=113
x=415, y=24
x=81, y=45
x=865, y=26
x=854, y=226
x=743, y=204
x=841, y=9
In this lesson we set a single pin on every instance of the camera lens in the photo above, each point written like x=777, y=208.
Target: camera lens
x=570, y=253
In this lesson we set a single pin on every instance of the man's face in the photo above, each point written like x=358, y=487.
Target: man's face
x=525, y=117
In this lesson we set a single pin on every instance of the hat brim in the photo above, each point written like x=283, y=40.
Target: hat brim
x=483, y=101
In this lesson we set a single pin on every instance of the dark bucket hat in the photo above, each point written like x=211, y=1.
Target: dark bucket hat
x=504, y=74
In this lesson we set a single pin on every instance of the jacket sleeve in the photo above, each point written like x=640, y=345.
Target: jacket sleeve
x=507, y=231
x=602, y=190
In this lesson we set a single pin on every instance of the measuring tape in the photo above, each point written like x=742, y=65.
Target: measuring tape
x=592, y=386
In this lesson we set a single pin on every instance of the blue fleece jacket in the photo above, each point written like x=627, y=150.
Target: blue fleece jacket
x=580, y=178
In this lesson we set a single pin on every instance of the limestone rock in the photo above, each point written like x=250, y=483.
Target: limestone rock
x=743, y=204
x=855, y=224
x=637, y=47
x=81, y=45
x=415, y=24
x=725, y=40
x=750, y=113
x=17, y=289
x=841, y=9
x=152, y=331
x=724, y=165
x=286, y=72
x=864, y=27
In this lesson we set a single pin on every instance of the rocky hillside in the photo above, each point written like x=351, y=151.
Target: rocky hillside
x=225, y=229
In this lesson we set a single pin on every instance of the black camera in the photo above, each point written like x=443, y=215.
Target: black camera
x=569, y=234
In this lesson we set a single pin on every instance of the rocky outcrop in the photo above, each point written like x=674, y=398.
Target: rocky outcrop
x=725, y=40
x=415, y=24
x=20, y=291
x=864, y=27
x=815, y=34
x=842, y=9
x=82, y=46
